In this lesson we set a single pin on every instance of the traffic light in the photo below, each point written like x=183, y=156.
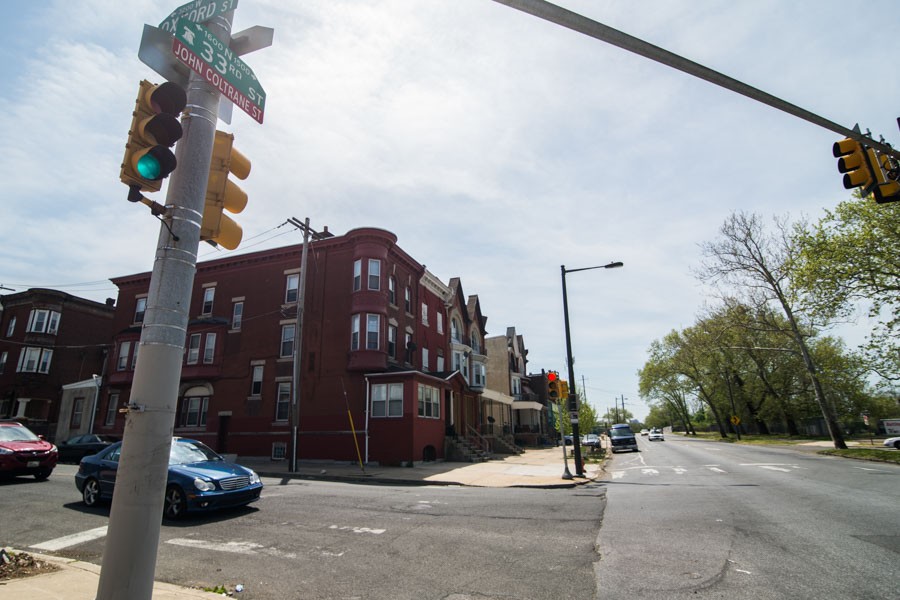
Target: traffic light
x=853, y=162
x=564, y=391
x=222, y=194
x=887, y=171
x=553, y=390
x=154, y=130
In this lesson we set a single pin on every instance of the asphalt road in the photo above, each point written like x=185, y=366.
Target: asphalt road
x=689, y=519
x=314, y=539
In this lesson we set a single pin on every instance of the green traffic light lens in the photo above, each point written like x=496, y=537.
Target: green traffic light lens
x=148, y=167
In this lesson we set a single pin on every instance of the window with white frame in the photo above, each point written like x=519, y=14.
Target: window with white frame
x=407, y=299
x=287, y=341
x=354, y=332
x=440, y=363
x=193, y=353
x=475, y=342
x=42, y=320
x=11, y=328
x=209, y=348
x=392, y=341
x=425, y=359
x=374, y=274
x=455, y=330
x=387, y=400
x=424, y=314
x=256, y=381
x=134, y=355
x=193, y=411
x=407, y=353
x=357, y=275
x=77, y=413
x=34, y=360
x=209, y=294
x=140, y=309
x=112, y=406
x=3, y=357
x=283, y=401
x=124, y=351
x=429, y=402
x=392, y=290
x=237, y=315
x=478, y=374
x=439, y=323
x=373, y=332
x=292, y=288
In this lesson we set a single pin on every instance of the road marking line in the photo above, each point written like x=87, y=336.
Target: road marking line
x=649, y=471
x=679, y=470
x=232, y=547
x=618, y=474
x=358, y=529
x=774, y=468
x=717, y=470
x=72, y=540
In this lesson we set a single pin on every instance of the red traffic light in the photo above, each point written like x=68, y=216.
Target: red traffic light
x=552, y=376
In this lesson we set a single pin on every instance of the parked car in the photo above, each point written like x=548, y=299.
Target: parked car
x=592, y=440
x=76, y=448
x=893, y=442
x=622, y=438
x=645, y=432
x=199, y=479
x=656, y=434
x=24, y=453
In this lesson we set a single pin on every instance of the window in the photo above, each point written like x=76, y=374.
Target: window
x=407, y=341
x=124, y=351
x=407, y=299
x=283, y=404
x=387, y=400
x=111, y=409
x=429, y=403
x=425, y=359
x=10, y=329
x=357, y=275
x=373, y=332
x=193, y=411
x=3, y=356
x=77, y=413
x=140, y=307
x=354, y=332
x=256, y=381
x=34, y=360
x=292, y=291
x=424, y=314
x=392, y=341
x=454, y=330
x=134, y=355
x=42, y=321
x=392, y=290
x=193, y=354
x=374, y=274
x=287, y=341
x=478, y=374
x=209, y=295
x=237, y=315
x=475, y=342
x=440, y=322
x=440, y=364
x=209, y=349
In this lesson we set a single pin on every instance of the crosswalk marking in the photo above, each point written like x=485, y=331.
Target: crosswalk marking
x=71, y=540
x=717, y=470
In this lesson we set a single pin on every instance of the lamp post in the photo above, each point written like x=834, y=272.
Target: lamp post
x=572, y=400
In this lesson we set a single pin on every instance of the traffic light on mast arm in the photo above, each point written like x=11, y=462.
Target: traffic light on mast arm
x=887, y=171
x=553, y=391
x=154, y=130
x=222, y=194
x=853, y=162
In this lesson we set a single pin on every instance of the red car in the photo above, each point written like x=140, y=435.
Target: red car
x=24, y=453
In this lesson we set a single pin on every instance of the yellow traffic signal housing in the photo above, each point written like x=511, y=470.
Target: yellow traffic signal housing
x=154, y=130
x=887, y=189
x=553, y=386
x=222, y=194
x=853, y=162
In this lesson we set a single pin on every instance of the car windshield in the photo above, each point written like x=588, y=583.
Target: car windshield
x=621, y=432
x=17, y=434
x=183, y=453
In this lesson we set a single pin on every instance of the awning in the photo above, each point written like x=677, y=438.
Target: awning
x=497, y=396
x=526, y=405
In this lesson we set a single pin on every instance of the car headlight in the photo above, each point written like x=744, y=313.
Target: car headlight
x=5, y=451
x=54, y=448
x=254, y=478
x=204, y=485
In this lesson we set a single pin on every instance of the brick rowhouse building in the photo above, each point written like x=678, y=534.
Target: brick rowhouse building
x=376, y=347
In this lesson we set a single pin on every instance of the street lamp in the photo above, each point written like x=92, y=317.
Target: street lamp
x=573, y=397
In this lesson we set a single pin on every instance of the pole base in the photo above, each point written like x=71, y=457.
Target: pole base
x=566, y=474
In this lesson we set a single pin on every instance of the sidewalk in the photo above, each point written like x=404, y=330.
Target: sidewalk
x=537, y=468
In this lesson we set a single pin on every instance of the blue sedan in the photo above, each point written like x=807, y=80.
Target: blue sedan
x=199, y=479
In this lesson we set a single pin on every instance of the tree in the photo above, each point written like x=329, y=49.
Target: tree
x=758, y=267
x=849, y=257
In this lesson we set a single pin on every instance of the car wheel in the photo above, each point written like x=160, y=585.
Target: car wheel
x=897, y=444
x=90, y=494
x=43, y=474
x=176, y=504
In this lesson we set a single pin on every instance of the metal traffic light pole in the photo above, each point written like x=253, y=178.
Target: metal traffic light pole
x=129, y=558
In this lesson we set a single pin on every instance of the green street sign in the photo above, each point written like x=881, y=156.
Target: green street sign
x=212, y=59
x=197, y=11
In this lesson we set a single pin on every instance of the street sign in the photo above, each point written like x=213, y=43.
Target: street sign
x=735, y=420
x=204, y=53
x=198, y=11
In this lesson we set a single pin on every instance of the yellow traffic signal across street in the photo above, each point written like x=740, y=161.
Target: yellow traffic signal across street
x=853, y=163
x=222, y=194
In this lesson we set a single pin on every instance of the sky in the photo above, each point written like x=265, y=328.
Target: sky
x=497, y=146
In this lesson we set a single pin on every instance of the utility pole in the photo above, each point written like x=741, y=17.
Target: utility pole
x=298, y=336
x=132, y=541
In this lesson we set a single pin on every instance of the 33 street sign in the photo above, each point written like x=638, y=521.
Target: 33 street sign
x=197, y=47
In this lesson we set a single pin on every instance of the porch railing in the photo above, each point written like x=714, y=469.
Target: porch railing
x=477, y=437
